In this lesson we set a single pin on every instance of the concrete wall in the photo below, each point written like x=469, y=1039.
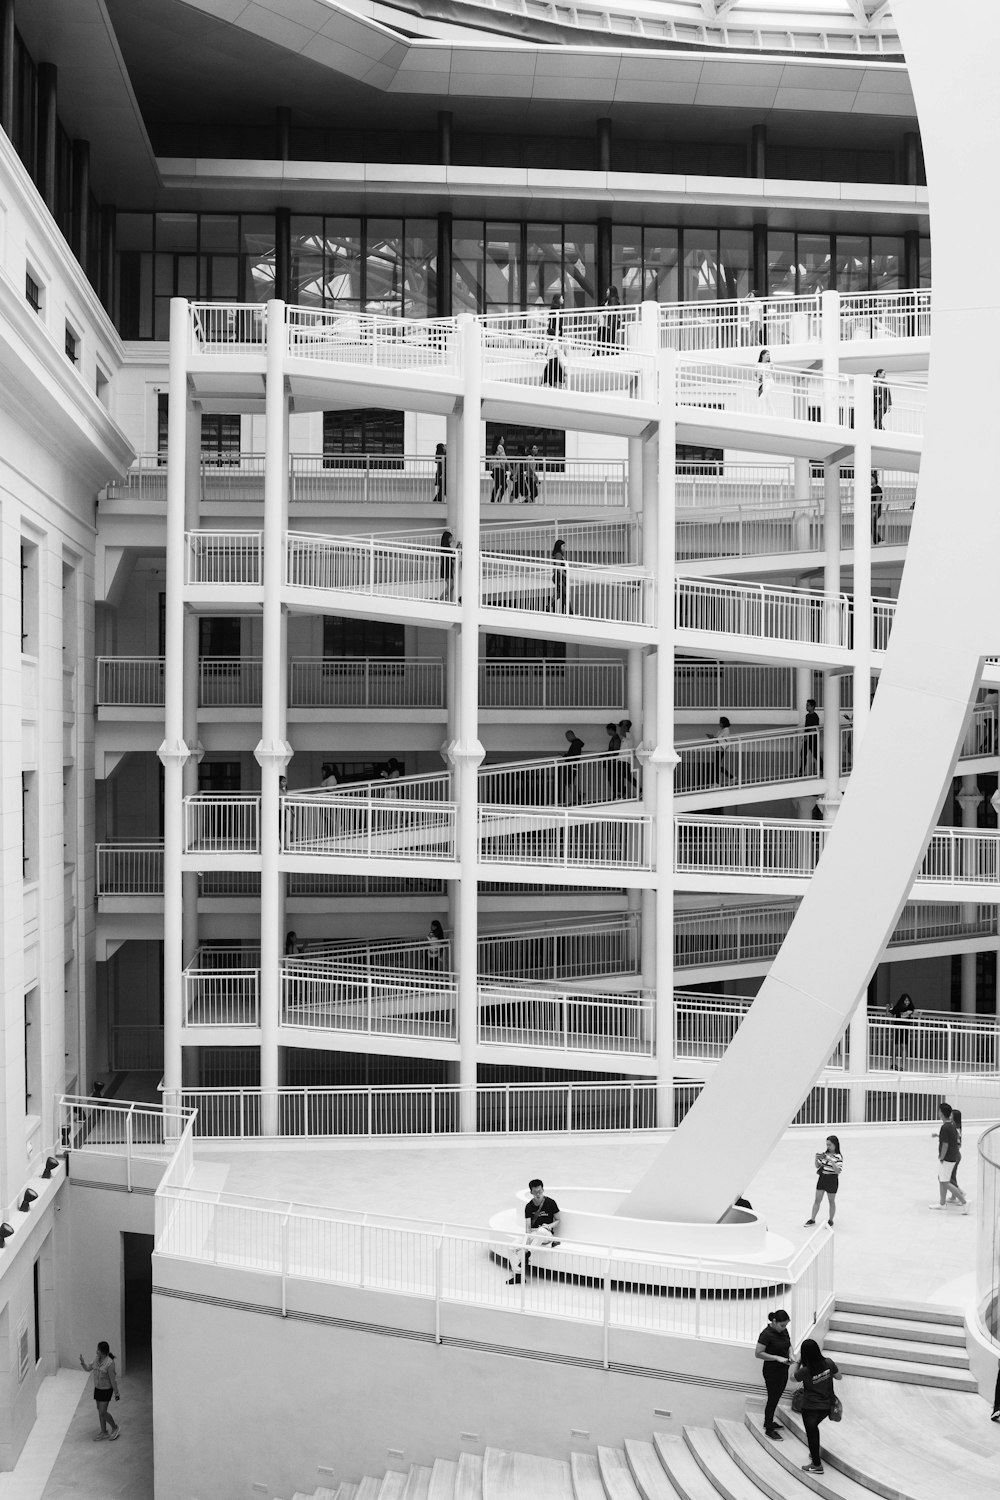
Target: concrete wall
x=95, y=1218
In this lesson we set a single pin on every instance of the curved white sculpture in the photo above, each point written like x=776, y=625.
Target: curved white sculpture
x=947, y=620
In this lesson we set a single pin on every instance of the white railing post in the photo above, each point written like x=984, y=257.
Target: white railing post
x=606, y=1312
x=438, y=1284
x=284, y=1262
x=128, y=1148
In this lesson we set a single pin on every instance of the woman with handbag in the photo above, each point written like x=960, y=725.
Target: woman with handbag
x=817, y=1398
x=774, y=1347
x=829, y=1165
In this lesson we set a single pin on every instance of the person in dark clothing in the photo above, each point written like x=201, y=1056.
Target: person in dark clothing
x=541, y=1220
x=995, y=1415
x=568, y=777
x=610, y=330
x=440, y=472
x=829, y=1165
x=810, y=742
x=876, y=507
x=902, y=1012
x=447, y=566
x=949, y=1156
x=559, y=578
x=555, y=353
x=817, y=1374
x=615, y=766
x=774, y=1347
x=881, y=399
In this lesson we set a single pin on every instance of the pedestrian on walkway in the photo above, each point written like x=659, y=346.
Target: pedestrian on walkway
x=722, y=736
x=810, y=764
x=105, y=1386
x=881, y=400
x=440, y=473
x=560, y=569
x=774, y=1347
x=817, y=1374
x=902, y=1013
x=829, y=1165
x=949, y=1156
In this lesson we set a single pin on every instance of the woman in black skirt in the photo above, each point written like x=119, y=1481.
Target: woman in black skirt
x=774, y=1347
x=105, y=1386
x=829, y=1165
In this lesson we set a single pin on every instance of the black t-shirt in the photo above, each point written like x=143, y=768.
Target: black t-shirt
x=819, y=1392
x=948, y=1137
x=546, y=1212
x=776, y=1341
x=812, y=719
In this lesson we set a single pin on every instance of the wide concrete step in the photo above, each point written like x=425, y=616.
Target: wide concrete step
x=898, y=1328
x=469, y=1477
x=369, y=1487
x=683, y=1469
x=919, y=1312
x=776, y=1468
x=418, y=1483
x=616, y=1476
x=874, y=1367
x=648, y=1472
x=916, y=1352
x=586, y=1472
x=509, y=1476
x=393, y=1485
x=718, y=1466
x=442, y=1485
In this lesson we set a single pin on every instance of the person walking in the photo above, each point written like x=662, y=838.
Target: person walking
x=817, y=1374
x=554, y=372
x=949, y=1156
x=436, y=945
x=610, y=328
x=627, y=753
x=447, y=566
x=881, y=400
x=501, y=474
x=721, y=736
x=560, y=569
x=105, y=1386
x=568, y=778
x=810, y=765
x=829, y=1165
x=614, y=766
x=956, y=1120
x=440, y=473
x=774, y=1347
x=765, y=383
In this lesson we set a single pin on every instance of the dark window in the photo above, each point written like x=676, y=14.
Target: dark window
x=518, y=648
x=219, y=776
x=518, y=440
x=219, y=635
x=32, y=292
x=72, y=346
x=343, y=636
x=220, y=434
x=690, y=453
x=36, y=1289
x=365, y=430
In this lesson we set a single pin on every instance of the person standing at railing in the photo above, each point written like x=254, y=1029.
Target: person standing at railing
x=554, y=372
x=876, y=508
x=541, y=1221
x=627, y=754
x=440, y=473
x=436, y=947
x=105, y=1386
x=447, y=567
x=765, y=384
x=810, y=764
x=829, y=1165
x=751, y=320
x=881, y=400
x=560, y=579
x=902, y=1013
x=568, y=788
x=501, y=474
x=610, y=327
x=774, y=1348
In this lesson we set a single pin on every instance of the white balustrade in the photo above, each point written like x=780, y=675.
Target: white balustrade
x=324, y=883
x=761, y=612
x=566, y=1022
x=229, y=682
x=385, y=953
x=361, y=478
x=933, y=1043
x=115, y=1127
x=747, y=846
x=704, y=1025
x=981, y=737
x=222, y=988
x=553, y=481
x=427, y=345
x=563, y=948
x=224, y=558
x=721, y=685
x=435, y=787
x=552, y=683
x=593, y=352
x=227, y=328
x=885, y=315
x=752, y=532
x=145, y=483
x=566, y=838
x=907, y=410
x=366, y=682
x=370, y=827
x=130, y=868
x=373, y=566
x=563, y=781
x=616, y=595
x=691, y=327
x=769, y=391
x=221, y=823
x=959, y=856
x=130, y=681
x=883, y=614
x=742, y=761
x=600, y=543
x=323, y=996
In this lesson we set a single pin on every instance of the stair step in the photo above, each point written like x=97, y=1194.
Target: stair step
x=905, y=1349
x=468, y=1477
x=325, y=1494
x=616, y=1475
x=442, y=1485
x=918, y=1312
x=418, y=1483
x=718, y=1466
x=907, y=1371
x=347, y=1491
x=683, y=1469
x=776, y=1468
x=393, y=1485
x=899, y=1328
x=509, y=1476
x=647, y=1471
x=586, y=1472
x=368, y=1488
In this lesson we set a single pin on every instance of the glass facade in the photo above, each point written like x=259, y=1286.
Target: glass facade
x=386, y=266
x=507, y=266
x=801, y=264
x=207, y=257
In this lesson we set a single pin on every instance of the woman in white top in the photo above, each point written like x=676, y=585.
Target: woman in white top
x=105, y=1386
x=765, y=384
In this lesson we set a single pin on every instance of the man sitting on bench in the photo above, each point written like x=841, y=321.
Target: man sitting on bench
x=541, y=1220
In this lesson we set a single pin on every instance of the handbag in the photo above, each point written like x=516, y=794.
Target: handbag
x=798, y=1397
x=836, y=1410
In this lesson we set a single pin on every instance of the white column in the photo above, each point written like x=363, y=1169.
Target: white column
x=802, y=490
x=466, y=751
x=832, y=521
x=272, y=752
x=862, y=555
x=830, y=311
x=189, y=776
x=173, y=752
x=970, y=800
x=633, y=479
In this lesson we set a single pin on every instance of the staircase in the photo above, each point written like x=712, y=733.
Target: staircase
x=917, y=1345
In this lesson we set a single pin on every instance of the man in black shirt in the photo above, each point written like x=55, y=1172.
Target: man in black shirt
x=949, y=1156
x=541, y=1220
x=810, y=742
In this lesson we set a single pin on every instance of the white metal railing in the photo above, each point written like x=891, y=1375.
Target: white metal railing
x=885, y=315
x=563, y=948
x=747, y=846
x=515, y=480
x=229, y=682
x=761, y=612
x=133, y=1132
x=221, y=987
x=932, y=1043
x=564, y=838
x=221, y=823
x=717, y=484
x=366, y=682
x=415, y=954
x=721, y=685
x=600, y=543
x=428, y=345
x=883, y=614
x=130, y=681
x=369, y=827
x=959, y=856
x=566, y=1022
x=616, y=595
x=574, y=781
x=908, y=409
x=550, y=683
x=434, y=787
x=748, y=322
x=322, y=996
x=130, y=868
x=594, y=351
x=750, y=532
x=768, y=391
x=226, y=558
x=227, y=328
x=704, y=1026
x=981, y=737
x=373, y=566
x=744, y=760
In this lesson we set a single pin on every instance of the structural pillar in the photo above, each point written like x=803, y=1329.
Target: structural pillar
x=282, y=133
x=603, y=144
x=80, y=222
x=760, y=279
x=911, y=162
x=863, y=528
x=445, y=122
x=970, y=800
x=604, y=259
x=189, y=775
x=443, y=287
x=911, y=258
x=283, y=254
x=273, y=751
x=106, y=279
x=758, y=151
x=7, y=68
x=48, y=76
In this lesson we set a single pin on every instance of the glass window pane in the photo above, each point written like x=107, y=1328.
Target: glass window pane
x=660, y=255
x=220, y=231
x=503, y=267
x=701, y=265
x=780, y=264
x=735, y=262
x=925, y=262
x=257, y=245
x=467, y=266
x=176, y=231
x=814, y=258
x=342, y=273
x=853, y=258
x=420, y=269
x=544, y=270
x=134, y=231
x=580, y=266
x=626, y=262
x=223, y=278
x=307, y=261
x=384, y=267
x=887, y=263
